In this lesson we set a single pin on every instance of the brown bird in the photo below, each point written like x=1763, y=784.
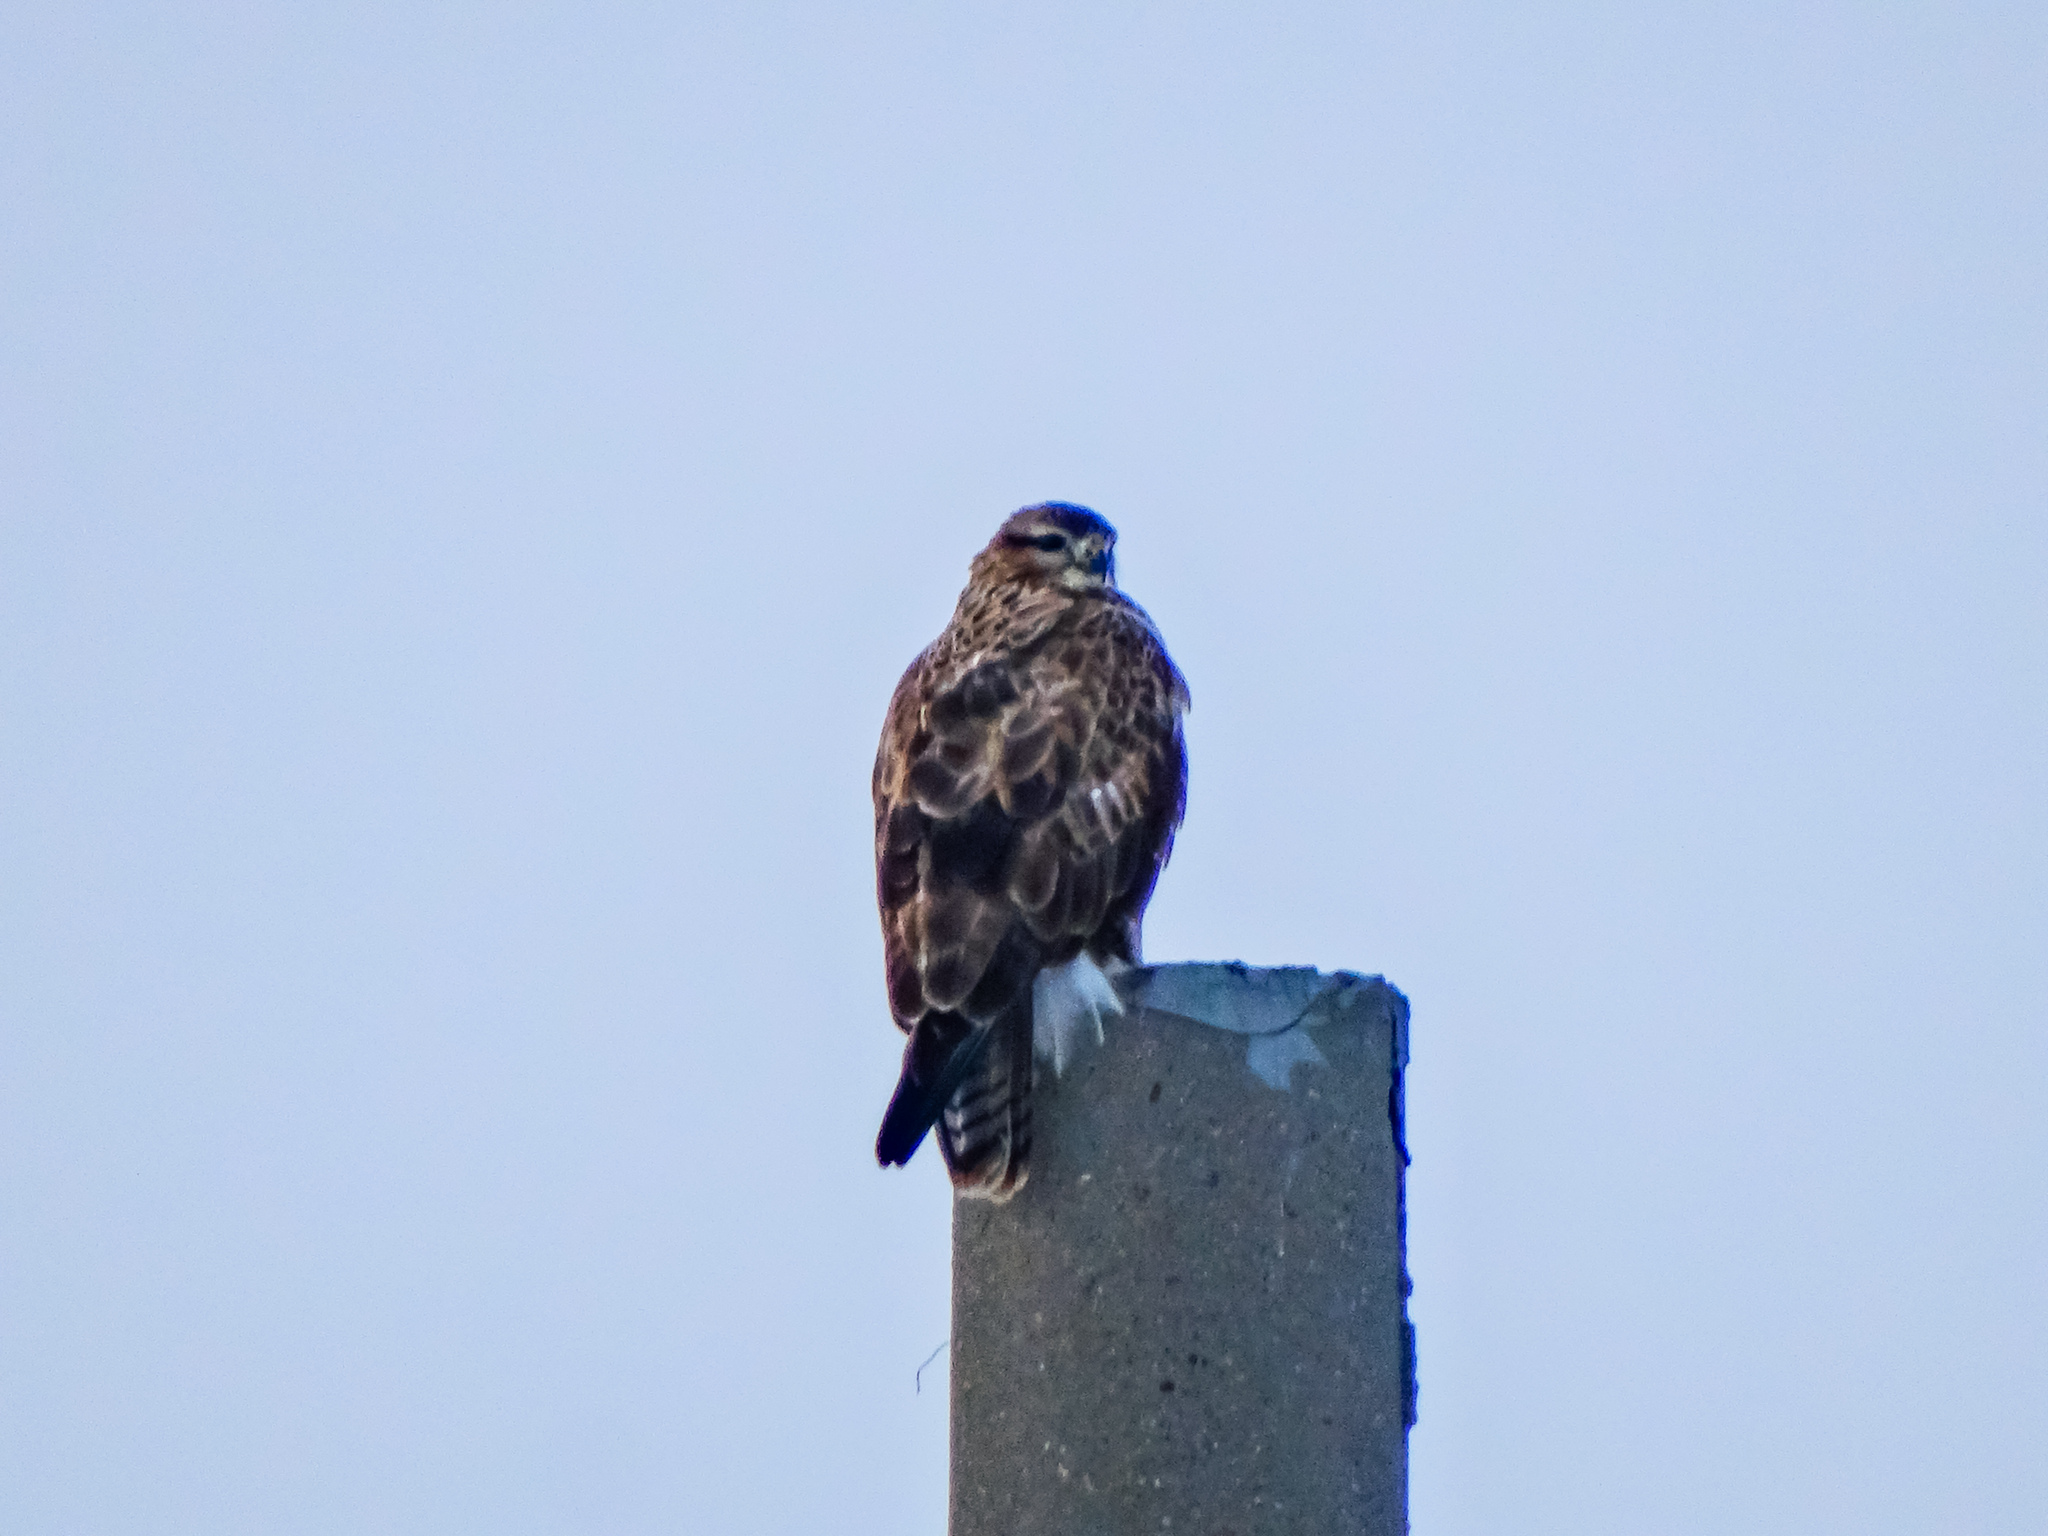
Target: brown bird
x=1028, y=786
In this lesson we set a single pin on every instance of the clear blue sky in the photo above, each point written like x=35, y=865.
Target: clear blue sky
x=469, y=481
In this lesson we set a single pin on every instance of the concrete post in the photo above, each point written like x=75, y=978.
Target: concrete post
x=1193, y=1319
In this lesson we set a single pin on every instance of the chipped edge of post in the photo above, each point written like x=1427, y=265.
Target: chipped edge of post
x=1200, y=992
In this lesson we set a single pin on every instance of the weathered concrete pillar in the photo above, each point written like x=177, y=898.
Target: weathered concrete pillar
x=1193, y=1319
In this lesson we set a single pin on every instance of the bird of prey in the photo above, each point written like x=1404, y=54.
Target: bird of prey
x=1028, y=786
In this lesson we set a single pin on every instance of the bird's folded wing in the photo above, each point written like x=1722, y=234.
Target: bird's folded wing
x=1017, y=798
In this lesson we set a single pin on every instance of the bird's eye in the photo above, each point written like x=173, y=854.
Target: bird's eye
x=1051, y=543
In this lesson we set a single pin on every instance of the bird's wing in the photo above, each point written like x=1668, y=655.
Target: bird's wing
x=1097, y=775
x=1019, y=798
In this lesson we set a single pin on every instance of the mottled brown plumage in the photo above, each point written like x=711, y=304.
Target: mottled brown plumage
x=1029, y=782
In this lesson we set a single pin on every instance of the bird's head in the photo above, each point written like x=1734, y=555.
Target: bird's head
x=1054, y=544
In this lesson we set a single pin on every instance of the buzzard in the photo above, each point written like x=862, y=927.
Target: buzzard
x=1028, y=786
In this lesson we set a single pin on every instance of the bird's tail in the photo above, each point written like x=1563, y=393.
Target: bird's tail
x=985, y=1129
x=941, y=1052
x=973, y=1082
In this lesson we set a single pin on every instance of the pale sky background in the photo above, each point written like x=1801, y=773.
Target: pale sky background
x=470, y=478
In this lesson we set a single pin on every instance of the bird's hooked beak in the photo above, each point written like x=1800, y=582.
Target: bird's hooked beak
x=1096, y=557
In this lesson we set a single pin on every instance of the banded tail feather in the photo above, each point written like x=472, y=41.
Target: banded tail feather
x=942, y=1050
x=985, y=1128
x=973, y=1082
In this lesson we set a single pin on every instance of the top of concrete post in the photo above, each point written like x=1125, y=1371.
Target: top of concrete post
x=1193, y=1317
